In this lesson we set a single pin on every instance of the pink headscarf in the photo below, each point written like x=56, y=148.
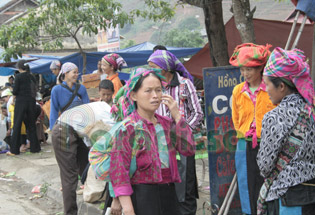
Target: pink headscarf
x=67, y=67
x=291, y=65
x=115, y=60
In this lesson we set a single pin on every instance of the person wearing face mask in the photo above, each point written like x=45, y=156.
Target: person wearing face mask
x=110, y=65
x=70, y=151
x=250, y=102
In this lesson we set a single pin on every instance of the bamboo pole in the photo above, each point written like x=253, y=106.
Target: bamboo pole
x=227, y=197
x=299, y=33
x=292, y=30
x=230, y=200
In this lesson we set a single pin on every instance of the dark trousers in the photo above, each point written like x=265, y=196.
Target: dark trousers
x=301, y=196
x=254, y=179
x=72, y=157
x=154, y=199
x=273, y=208
x=24, y=111
x=189, y=206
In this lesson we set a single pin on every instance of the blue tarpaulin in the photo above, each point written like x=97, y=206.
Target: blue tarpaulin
x=13, y=60
x=134, y=56
x=6, y=71
x=308, y=7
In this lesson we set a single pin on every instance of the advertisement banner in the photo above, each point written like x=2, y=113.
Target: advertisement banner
x=218, y=85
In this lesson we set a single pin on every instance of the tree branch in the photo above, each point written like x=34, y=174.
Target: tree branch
x=75, y=33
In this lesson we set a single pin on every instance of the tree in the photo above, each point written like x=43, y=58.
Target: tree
x=55, y=20
x=190, y=23
x=128, y=43
x=183, y=38
x=243, y=17
x=215, y=29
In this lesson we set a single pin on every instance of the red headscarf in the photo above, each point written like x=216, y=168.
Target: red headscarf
x=250, y=55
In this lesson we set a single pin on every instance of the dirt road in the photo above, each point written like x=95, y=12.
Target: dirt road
x=16, y=198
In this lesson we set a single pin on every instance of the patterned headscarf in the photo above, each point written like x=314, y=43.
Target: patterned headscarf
x=55, y=64
x=250, y=55
x=292, y=67
x=67, y=67
x=169, y=62
x=115, y=60
x=123, y=105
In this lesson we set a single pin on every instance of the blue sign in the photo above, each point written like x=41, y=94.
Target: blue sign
x=219, y=83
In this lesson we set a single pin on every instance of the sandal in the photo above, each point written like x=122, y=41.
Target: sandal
x=10, y=154
x=23, y=148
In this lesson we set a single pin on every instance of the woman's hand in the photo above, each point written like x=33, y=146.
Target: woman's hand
x=126, y=205
x=172, y=106
x=116, y=208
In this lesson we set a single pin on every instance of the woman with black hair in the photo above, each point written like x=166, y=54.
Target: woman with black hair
x=70, y=151
x=145, y=186
x=110, y=65
x=25, y=92
x=286, y=157
x=180, y=87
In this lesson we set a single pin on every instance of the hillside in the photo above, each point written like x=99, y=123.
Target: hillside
x=144, y=30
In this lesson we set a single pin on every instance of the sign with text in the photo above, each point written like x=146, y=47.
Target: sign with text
x=218, y=85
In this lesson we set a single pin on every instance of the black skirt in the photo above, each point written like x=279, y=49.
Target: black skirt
x=154, y=199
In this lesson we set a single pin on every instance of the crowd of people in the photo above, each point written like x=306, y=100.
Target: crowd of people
x=145, y=145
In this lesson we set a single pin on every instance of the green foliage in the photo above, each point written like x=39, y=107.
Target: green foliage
x=55, y=20
x=190, y=23
x=183, y=38
x=128, y=43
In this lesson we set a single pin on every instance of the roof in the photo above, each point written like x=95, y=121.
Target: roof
x=13, y=9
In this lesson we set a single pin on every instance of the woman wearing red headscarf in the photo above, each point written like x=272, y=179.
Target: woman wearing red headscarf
x=110, y=65
x=250, y=103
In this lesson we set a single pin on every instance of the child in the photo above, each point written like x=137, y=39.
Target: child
x=250, y=103
x=23, y=145
x=106, y=91
x=40, y=119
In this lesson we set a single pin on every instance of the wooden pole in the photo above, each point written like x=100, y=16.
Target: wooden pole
x=292, y=30
x=299, y=33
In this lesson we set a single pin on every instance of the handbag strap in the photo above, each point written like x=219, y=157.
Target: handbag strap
x=294, y=140
x=74, y=94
